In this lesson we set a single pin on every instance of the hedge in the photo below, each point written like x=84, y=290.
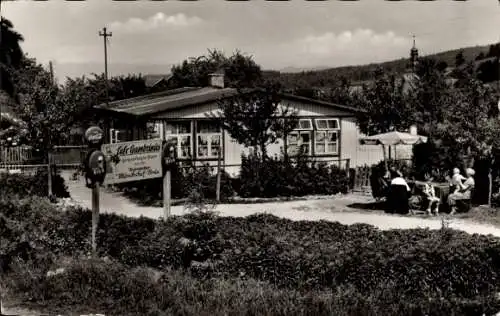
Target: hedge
x=274, y=177
x=185, y=181
x=258, y=178
x=400, y=271
x=28, y=185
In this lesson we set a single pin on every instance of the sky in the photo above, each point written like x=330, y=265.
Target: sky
x=149, y=36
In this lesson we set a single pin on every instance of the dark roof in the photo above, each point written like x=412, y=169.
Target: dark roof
x=167, y=100
x=178, y=98
x=153, y=80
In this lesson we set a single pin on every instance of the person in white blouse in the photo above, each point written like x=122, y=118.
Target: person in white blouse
x=399, y=193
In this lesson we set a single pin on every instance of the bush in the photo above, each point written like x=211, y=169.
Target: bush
x=365, y=270
x=28, y=185
x=100, y=286
x=184, y=182
x=278, y=177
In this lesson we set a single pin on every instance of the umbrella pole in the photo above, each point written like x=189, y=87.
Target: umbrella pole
x=385, y=158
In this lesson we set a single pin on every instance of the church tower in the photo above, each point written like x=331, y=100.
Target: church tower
x=413, y=56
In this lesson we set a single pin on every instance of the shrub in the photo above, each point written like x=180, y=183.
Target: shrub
x=278, y=177
x=99, y=286
x=368, y=271
x=28, y=185
x=184, y=181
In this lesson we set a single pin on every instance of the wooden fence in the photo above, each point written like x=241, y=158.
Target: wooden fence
x=362, y=179
x=68, y=156
x=16, y=155
x=61, y=156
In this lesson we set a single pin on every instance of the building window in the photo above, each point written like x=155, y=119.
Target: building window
x=153, y=130
x=326, y=137
x=209, y=139
x=327, y=124
x=119, y=135
x=300, y=139
x=179, y=133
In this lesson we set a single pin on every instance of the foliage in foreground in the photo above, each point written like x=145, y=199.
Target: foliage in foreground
x=32, y=185
x=101, y=285
x=351, y=270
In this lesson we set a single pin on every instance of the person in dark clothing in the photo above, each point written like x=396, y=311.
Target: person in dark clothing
x=399, y=194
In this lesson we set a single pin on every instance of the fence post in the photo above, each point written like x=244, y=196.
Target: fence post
x=49, y=173
x=167, y=191
x=217, y=189
x=348, y=173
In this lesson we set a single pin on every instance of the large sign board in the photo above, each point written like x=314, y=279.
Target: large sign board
x=133, y=161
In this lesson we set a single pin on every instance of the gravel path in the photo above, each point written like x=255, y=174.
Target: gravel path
x=334, y=209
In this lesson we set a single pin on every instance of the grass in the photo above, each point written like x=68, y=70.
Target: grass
x=482, y=214
x=101, y=286
x=258, y=265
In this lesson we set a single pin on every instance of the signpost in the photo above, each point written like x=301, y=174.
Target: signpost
x=133, y=161
x=95, y=172
x=141, y=160
x=169, y=160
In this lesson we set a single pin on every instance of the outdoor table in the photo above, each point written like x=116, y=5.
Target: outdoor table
x=442, y=189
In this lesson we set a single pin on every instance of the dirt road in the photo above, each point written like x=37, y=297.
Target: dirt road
x=334, y=209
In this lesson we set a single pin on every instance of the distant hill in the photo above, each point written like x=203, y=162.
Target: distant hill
x=72, y=70
x=328, y=77
x=302, y=69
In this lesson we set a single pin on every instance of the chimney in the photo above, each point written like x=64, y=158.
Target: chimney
x=413, y=130
x=217, y=80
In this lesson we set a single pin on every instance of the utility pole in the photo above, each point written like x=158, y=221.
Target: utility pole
x=49, y=152
x=105, y=36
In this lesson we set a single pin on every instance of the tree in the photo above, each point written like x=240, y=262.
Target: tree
x=494, y=50
x=429, y=97
x=488, y=71
x=385, y=104
x=459, y=59
x=240, y=70
x=257, y=118
x=43, y=106
x=11, y=54
x=480, y=56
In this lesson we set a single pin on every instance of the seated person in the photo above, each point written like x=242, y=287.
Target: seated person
x=456, y=180
x=399, y=194
x=464, y=192
x=430, y=195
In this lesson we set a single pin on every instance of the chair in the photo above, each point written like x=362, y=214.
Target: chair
x=465, y=205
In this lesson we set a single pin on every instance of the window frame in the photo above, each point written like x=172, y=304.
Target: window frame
x=306, y=128
x=211, y=154
x=326, y=131
x=337, y=124
x=299, y=131
x=326, y=142
x=178, y=136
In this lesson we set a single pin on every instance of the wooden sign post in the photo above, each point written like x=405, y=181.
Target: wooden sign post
x=95, y=172
x=167, y=190
x=169, y=161
x=95, y=217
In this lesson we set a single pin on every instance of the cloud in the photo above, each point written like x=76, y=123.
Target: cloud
x=157, y=21
x=344, y=48
x=349, y=41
